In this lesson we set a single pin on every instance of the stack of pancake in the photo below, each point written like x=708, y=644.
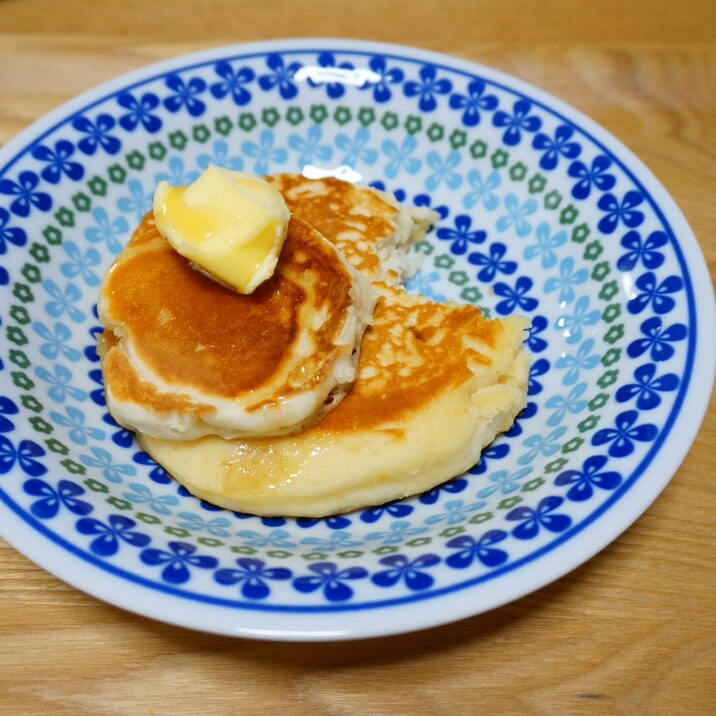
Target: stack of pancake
x=327, y=389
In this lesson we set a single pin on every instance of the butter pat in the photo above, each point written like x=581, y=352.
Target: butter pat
x=230, y=224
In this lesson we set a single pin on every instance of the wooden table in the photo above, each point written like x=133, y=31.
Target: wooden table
x=632, y=631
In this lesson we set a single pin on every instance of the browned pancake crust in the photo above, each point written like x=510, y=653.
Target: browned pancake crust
x=414, y=350
x=196, y=333
x=354, y=219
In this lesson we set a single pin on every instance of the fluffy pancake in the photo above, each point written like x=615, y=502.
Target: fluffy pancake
x=370, y=228
x=436, y=383
x=184, y=356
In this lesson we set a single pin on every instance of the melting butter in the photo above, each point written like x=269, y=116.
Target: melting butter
x=230, y=224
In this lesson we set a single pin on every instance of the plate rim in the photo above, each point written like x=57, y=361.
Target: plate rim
x=693, y=260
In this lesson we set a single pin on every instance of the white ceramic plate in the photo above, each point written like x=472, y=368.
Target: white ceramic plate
x=542, y=212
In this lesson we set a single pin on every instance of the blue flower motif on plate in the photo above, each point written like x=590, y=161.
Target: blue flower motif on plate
x=545, y=246
x=7, y=407
x=252, y=575
x=185, y=94
x=398, y=532
x=232, y=82
x=280, y=76
x=521, y=120
x=642, y=251
x=177, y=560
x=400, y=568
x=573, y=325
x=563, y=405
x=108, y=535
x=517, y=215
x=400, y=156
x=50, y=498
x=655, y=294
x=26, y=194
x=221, y=158
x=140, y=112
x=541, y=445
x=583, y=482
x=492, y=263
x=356, y=148
x=583, y=360
x=63, y=301
x=276, y=539
x=658, y=340
x=56, y=342
x=477, y=98
x=461, y=237
x=75, y=420
x=81, y=264
x=58, y=162
x=531, y=520
x=264, y=152
x=139, y=201
x=102, y=460
x=427, y=88
x=425, y=284
x=647, y=387
x=554, y=148
x=515, y=298
x=331, y=580
x=106, y=230
x=534, y=341
x=539, y=367
x=339, y=539
x=443, y=170
x=595, y=175
x=387, y=76
x=393, y=509
x=494, y=451
x=481, y=549
x=178, y=174
x=622, y=436
x=157, y=473
x=620, y=211
x=327, y=60
x=141, y=494
x=216, y=527
x=310, y=147
x=456, y=511
x=483, y=190
x=452, y=487
x=504, y=482
x=97, y=134
x=569, y=276
x=9, y=234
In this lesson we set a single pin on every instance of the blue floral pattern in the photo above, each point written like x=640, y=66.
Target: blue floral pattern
x=537, y=217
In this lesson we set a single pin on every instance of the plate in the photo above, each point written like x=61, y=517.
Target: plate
x=541, y=212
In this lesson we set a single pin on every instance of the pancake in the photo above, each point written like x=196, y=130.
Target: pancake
x=184, y=356
x=370, y=228
x=436, y=383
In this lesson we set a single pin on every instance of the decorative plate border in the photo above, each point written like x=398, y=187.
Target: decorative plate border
x=429, y=81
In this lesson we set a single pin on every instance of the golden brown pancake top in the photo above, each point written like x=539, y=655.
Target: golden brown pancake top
x=353, y=218
x=414, y=350
x=192, y=331
x=415, y=347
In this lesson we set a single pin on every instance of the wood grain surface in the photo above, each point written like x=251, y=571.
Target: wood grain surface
x=633, y=631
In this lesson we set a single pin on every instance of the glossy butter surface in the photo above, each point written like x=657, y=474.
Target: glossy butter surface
x=231, y=225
